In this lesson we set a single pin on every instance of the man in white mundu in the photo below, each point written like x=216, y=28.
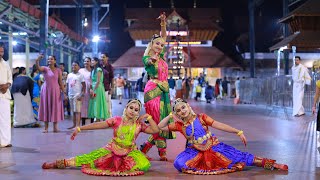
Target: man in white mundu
x=5, y=112
x=300, y=77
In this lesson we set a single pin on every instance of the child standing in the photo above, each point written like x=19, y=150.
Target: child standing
x=198, y=91
x=76, y=88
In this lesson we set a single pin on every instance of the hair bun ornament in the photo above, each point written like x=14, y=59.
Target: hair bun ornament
x=155, y=36
x=134, y=100
x=176, y=102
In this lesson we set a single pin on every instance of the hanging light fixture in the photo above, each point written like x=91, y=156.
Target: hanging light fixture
x=85, y=22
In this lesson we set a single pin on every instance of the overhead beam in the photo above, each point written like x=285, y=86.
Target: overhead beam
x=34, y=33
x=70, y=47
x=74, y=6
x=64, y=39
x=78, y=48
x=76, y=2
x=19, y=27
x=105, y=14
x=95, y=2
x=293, y=2
x=5, y=11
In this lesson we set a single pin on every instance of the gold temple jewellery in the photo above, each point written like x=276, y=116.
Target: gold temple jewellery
x=239, y=133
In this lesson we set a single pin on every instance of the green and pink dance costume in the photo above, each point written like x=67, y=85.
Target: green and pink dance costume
x=120, y=157
x=157, y=103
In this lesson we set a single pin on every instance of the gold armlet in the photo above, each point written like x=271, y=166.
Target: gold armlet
x=149, y=117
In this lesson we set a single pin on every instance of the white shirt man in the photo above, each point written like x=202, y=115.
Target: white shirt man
x=300, y=77
x=5, y=96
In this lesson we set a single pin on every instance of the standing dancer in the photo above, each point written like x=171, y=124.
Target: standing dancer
x=156, y=98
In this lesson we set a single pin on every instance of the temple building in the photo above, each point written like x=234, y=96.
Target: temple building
x=190, y=41
x=304, y=25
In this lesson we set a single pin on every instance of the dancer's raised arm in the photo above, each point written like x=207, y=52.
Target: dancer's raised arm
x=153, y=128
x=163, y=25
x=163, y=125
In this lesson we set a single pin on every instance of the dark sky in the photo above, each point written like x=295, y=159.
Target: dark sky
x=235, y=22
x=234, y=15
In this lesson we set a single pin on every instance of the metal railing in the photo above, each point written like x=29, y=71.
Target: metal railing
x=274, y=91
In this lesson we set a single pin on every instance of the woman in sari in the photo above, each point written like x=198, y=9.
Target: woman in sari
x=204, y=154
x=156, y=92
x=35, y=75
x=120, y=157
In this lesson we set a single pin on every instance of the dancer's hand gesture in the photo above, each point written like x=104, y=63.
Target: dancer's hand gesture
x=175, y=117
x=145, y=116
x=162, y=16
x=154, y=58
x=75, y=132
x=243, y=139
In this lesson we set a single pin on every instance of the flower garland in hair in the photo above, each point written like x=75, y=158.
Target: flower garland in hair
x=181, y=101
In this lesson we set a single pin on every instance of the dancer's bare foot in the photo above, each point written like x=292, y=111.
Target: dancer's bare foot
x=56, y=130
x=283, y=167
x=163, y=158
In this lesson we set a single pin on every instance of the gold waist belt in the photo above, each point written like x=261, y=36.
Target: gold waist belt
x=200, y=139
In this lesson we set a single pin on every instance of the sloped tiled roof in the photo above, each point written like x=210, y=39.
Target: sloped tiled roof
x=202, y=23
x=304, y=40
x=309, y=8
x=200, y=57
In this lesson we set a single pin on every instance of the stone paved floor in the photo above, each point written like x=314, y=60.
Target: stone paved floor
x=271, y=132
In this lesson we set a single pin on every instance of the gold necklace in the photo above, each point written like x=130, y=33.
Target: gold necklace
x=126, y=122
x=192, y=128
x=192, y=131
